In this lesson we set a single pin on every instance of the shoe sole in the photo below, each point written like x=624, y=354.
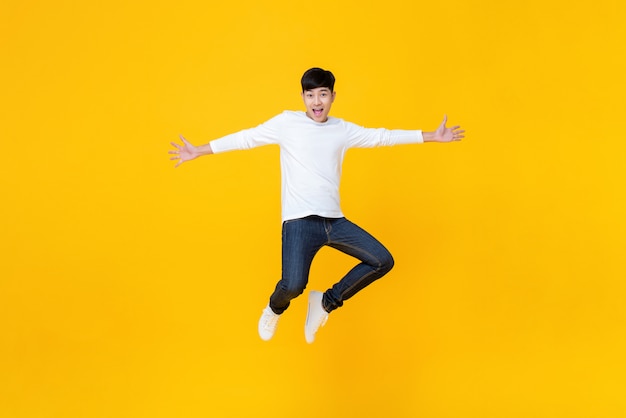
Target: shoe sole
x=308, y=315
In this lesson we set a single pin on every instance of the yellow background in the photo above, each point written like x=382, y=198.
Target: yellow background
x=130, y=289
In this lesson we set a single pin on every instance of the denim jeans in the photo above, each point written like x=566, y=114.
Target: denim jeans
x=303, y=238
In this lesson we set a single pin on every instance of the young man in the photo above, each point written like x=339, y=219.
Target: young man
x=312, y=147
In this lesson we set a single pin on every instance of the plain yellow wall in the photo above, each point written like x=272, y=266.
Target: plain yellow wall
x=130, y=289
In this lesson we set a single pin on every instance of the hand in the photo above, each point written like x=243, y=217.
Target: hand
x=443, y=134
x=183, y=153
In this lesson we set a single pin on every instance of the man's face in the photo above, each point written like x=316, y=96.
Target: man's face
x=318, y=102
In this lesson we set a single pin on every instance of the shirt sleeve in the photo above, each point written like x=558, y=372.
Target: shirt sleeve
x=359, y=137
x=264, y=134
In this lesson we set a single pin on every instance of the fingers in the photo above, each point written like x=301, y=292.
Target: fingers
x=456, y=131
x=178, y=160
x=182, y=138
x=176, y=152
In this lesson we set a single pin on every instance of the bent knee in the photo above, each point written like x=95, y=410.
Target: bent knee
x=386, y=263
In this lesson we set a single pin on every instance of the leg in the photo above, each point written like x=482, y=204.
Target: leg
x=376, y=261
x=302, y=239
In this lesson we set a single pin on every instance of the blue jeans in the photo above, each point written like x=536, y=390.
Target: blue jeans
x=303, y=238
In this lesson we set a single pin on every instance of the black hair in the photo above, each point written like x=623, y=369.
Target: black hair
x=317, y=77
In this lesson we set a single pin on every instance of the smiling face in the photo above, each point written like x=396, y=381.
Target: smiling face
x=318, y=102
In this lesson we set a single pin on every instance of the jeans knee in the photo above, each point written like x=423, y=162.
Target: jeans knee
x=291, y=290
x=386, y=264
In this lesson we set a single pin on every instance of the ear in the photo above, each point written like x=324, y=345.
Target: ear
x=333, y=96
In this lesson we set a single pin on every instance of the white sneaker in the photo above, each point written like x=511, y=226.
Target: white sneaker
x=268, y=323
x=316, y=316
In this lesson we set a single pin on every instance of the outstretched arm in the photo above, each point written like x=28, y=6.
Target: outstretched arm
x=187, y=151
x=444, y=134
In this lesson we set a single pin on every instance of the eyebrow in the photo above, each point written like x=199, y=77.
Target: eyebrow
x=323, y=89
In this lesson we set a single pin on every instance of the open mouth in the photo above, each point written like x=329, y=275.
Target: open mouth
x=318, y=112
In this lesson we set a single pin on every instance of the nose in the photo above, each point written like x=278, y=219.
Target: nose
x=317, y=99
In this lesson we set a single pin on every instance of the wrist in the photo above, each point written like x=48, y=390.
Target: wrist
x=429, y=136
x=204, y=150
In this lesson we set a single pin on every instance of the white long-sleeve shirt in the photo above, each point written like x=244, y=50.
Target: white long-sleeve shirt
x=311, y=156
